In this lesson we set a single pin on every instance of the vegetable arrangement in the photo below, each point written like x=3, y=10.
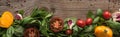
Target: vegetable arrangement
x=40, y=23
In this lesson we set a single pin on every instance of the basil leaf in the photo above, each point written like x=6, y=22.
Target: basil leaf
x=96, y=20
x=21, y=12
x=87, y=35
x=27, y=20
x=99, y=12
x=89, y=28
x=90, y=14
x=49, y=15
x=34, y=12
x=4, y=35
x=18, y=30
x=10, y=32
x=75, y=28
x=114, y=25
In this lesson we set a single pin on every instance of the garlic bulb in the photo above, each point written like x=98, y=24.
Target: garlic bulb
x=116, y=16
x=18, y=16
x=70, y=23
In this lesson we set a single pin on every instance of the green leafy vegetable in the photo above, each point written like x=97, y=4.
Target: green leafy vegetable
x=9, y=32
x=89, y=28
x=99, y=12
x=27, y=20
x=18, y=30
x=21, y=12
x=90, y=14
x=96, y=20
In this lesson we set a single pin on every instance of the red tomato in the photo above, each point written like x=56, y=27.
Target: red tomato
x=69, y=31
x=81, y=23
x=107, y=15
x=89, y=21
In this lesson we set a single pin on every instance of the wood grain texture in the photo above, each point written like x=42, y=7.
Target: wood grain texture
x=62, y=8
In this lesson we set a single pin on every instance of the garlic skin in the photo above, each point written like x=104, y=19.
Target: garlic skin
x=18, y=16
x=71, y=26
x=116, y=16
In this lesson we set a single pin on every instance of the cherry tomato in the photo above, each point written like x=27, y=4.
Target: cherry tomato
x=81, y=23
x=89, y=21
x=69, y=31
x=107, y=15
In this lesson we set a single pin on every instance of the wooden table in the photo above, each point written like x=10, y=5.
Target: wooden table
x=62, y=8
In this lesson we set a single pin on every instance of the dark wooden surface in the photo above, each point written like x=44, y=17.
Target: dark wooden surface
x=62, y=8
